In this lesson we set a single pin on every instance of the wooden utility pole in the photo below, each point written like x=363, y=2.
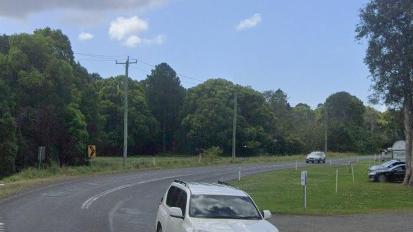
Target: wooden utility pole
x=234, y=128
x=125, y=109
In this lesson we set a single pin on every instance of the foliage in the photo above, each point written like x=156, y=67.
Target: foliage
x=143, y=127
x=165, y=96
x=43, y=100
x=8, y=147
x=387, y=25
x=48, y=99
x=344, y=114
x=208, y=110
x=211, y=153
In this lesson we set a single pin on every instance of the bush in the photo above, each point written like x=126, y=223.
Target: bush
x=212, y=153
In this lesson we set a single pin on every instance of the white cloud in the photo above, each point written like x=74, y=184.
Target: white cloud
x=128, y=31
x=83, y=36
x=158, y=40
x=124, y=27
x=249, y=22
x=132, y=41
x=23, y=8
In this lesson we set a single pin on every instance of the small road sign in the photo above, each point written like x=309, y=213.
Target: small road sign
x=304, y=184
x=303, y=178
x=91, y=151
x=41, y=156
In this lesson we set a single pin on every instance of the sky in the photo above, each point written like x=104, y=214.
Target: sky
x=306, y=48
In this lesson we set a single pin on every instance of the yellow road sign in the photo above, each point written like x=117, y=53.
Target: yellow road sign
x=91, y=151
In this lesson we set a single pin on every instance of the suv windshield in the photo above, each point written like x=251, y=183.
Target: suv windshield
x=219, y=206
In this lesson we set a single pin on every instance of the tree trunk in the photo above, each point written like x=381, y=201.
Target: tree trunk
x=408, y=137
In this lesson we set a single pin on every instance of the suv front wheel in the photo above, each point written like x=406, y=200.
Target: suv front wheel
x=159, y=228
x=382, y=178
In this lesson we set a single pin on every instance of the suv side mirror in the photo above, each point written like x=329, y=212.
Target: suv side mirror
x=266, y=214
x=176, y=212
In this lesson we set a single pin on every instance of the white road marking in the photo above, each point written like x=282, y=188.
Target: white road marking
x=2, y=184
x=2, y=229
x=112, y=213
x=94, y=198
x=86, y=204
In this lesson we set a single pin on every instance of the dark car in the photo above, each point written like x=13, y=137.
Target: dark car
x=394, y=173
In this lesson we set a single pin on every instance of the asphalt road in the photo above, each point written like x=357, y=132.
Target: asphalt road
x=377, y=222
x=121, y=202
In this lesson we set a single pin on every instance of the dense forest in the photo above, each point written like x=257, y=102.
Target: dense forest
x=48, y=99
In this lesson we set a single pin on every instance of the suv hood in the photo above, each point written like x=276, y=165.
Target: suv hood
x=232, y=225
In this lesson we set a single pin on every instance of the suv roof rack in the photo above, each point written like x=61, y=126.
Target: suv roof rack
x=223, y=182
x=180, y=182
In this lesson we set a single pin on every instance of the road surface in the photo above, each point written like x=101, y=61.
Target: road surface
x=377, y=222
x=121, y=202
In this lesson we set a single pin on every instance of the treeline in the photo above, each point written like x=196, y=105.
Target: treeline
x=49, y=99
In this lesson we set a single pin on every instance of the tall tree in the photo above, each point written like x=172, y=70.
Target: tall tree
x=165, y=96
x=344, y=114
x=387, y=25
x=46, y=94
x=306, y=128
x=143, y=127
x=8, y=145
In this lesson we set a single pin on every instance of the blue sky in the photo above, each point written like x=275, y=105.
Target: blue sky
x=306, y=48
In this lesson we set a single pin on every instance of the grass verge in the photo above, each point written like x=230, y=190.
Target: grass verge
x=281, y=192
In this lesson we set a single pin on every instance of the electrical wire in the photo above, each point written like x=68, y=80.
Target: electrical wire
x=112, y=58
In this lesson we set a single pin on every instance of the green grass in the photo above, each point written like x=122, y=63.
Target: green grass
x=281, y=192
x=104, y=165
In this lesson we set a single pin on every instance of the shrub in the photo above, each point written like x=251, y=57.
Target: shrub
x=211, y=153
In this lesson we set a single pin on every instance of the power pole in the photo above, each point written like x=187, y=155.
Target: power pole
x=125, y=108
x=234, y=127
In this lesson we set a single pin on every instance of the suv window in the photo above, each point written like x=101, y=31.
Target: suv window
x=399, y=169
x=181, y=203
x=171, y=197
x=176, y=198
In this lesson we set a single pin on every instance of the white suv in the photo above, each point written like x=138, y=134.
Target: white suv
x=316, y=157
x=202, y=207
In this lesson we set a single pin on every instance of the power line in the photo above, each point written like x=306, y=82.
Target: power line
x=178, y=74
x=111, y=58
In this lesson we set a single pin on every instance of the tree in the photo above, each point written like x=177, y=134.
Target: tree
x=387, y=27
x=143, y=127
x=306, y=127
x=46, y=89
x=285, y=141
x=344, y=114
x=390, y=123
x=8, y=146
x=208, y=110
x=165, y=97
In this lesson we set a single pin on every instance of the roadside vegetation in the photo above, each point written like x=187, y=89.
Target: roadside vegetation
x=47, y=98
x=281, y=192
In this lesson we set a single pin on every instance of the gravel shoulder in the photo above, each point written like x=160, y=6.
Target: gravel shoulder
x=377, y=222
